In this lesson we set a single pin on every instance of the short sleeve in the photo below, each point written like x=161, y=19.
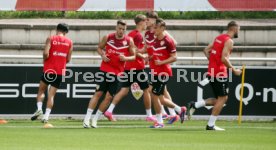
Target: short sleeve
x=138, y=41
x=171, y=46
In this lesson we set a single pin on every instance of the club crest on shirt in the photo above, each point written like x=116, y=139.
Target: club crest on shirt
x=162, y=43
x=147, y=36
x=124, y=43
x=111, y=41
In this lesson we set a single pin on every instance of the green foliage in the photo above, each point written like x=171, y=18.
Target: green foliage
x=131, y=14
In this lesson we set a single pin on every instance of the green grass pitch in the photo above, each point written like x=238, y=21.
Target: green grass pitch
x=135, y=135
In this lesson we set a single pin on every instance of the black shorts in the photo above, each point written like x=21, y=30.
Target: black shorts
x=52, y=79
x=158, y=84
x=219, y=86
x=132, y=76
x=108, y=83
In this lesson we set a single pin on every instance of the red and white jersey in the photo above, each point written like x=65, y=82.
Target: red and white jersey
x=149, y=39
x=216, y=68
x=138, y=63
x=56, y=62
x=114, y=48
x=161, y=50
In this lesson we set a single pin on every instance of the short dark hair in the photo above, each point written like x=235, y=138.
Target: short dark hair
x=152, y=14
x=160, y=22
x=121, y=22
x=232, y=24
x=63, y=27
x=138, y=18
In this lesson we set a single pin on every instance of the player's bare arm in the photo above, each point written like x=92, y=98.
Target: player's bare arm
x=171, y=59
x=207, y=50
x=47, y=48
x=225, y=57
x=69, y=56
x=100, y=49
x=131, y=52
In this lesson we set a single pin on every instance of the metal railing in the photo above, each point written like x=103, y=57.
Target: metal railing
x=178, y=58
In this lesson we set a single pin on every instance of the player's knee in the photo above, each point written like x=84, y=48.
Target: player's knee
x=162, y=101
x=98, y=94
x=124, y=91
x=223, y=99
x=40, y=96
x=108, y=97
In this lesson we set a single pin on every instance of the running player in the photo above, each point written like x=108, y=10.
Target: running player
x=218, y=54
x=135, y=71
x=57, y=52
x=149, y=38
x=163, y=54
x=119, y=49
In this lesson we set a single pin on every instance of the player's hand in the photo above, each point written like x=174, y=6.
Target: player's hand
x=122, y=58
x=146, y=57
x=237, y=72
x=158, y=62
x=105, y=58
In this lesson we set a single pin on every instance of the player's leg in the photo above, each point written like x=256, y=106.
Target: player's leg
x=168, y=97
x=50, y=103
x=147, y=103
x=101, y=88
x=117, y=98
x=180, y=110
x=173, y=116
x=157, y=108
x=91, y=106
x=142, y=80
x=220, y=88
x=157, y=91
x=164, y=113
x=112, y=90
x=102, y=108
x=193, y=106
x=221, y=100
x=40, y=97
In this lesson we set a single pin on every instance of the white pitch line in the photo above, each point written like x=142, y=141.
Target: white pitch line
x=143, y=126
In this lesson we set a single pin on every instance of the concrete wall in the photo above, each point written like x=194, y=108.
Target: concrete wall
x=184, y=35
x=253, y=41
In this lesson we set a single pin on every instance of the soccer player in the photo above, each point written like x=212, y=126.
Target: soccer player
x=149, y=40
x=218, y=54
x=163, y=54
x=119, y=48
x=57, y=53
x=134, y=70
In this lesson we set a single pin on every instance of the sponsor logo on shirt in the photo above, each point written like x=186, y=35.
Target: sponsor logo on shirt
x=218, y=41
x=111, y=41
x=158, y=54
x=60, y=43
x=55, y=53
x=111, y=51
